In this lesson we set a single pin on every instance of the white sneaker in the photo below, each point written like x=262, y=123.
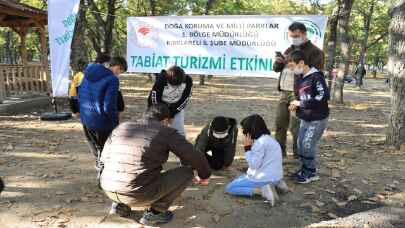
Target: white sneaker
x=282, y=187
x=270, y=194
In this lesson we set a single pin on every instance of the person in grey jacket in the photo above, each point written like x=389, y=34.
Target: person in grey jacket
x=133, y=157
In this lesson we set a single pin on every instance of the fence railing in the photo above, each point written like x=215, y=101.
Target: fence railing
x=17, y=80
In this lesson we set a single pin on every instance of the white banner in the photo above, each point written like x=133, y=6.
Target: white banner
x=217, y=45
x=61, y=23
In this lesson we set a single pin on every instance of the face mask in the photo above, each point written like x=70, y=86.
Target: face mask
x=220, y=135
x=298, y=71
x=297, y=41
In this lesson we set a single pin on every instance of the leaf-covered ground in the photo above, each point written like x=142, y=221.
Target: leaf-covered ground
x=51, y=182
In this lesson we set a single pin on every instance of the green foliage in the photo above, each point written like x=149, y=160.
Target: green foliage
x=126, y=8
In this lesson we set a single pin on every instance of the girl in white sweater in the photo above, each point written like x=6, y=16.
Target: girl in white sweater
x=264, y=158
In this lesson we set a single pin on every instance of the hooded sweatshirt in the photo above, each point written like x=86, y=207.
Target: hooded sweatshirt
x=98, y=94
x=313, y=94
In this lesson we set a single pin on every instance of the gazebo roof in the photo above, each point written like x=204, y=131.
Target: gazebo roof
x=14, y=14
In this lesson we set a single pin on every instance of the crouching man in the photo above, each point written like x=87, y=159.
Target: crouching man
x=133, y=157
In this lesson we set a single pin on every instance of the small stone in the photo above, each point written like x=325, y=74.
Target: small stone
x=335, y=173
x=59, y=193
x=330, y=191
x=319, y=203
x=359, y=192
x=84, y=199
x=341, y=203
x=216, y=218
x=190, y=219
x=303, y=205
x=352, y=197
x=315, y=209
x=395, y=182
x=333, y=216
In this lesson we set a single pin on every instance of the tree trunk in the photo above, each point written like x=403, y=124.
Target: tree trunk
x=152, y=4
x=331, y=48
x=376, y=62
x=102, y=35
x=208, y=7
x=79, y=49
x=396, y=70
x=109, y=27
x=343, y=40
x=363, y=48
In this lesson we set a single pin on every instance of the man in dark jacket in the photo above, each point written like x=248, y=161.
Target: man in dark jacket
x=98, y=96
x=133, y=157
x=219, y=137
x=284, y=119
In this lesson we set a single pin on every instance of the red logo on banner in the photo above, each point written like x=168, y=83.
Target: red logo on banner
x=144, y=30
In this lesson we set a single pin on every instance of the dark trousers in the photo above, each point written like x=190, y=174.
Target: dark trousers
x=217, y=159
x=96, y=140
x=161, y=193
x=286, y=120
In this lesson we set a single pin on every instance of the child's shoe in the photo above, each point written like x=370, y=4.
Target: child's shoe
x=270, y=194
x=306, y=177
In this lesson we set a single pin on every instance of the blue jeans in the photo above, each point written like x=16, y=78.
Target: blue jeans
x=309, y=134
x=242, y=186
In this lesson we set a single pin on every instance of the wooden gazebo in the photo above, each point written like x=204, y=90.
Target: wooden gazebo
x=24, y=78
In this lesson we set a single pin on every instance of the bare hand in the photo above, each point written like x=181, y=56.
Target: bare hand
x=292, y=108
x=247, y=140
x=204, y=182
x=295, y=103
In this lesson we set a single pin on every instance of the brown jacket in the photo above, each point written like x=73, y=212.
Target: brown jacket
x=135, y=152
x=313, y=54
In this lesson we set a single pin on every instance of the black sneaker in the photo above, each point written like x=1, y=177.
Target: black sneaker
x=120, y=209
x=150, y=218
x=296, y=173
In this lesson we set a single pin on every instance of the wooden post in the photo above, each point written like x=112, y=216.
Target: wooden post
x=2, y=86
x=22, y=32
x=44, y=58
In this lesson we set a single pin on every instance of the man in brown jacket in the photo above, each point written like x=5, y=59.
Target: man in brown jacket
x=133, y=157
x=284, y=119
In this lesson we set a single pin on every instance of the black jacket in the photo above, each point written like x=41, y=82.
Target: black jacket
x=206, y=141
x=313, y=94
x=178, y=99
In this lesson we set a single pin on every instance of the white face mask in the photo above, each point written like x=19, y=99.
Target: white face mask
x=297, y=41
x=298, y=71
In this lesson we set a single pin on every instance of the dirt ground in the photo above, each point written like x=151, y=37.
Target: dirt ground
x=50, y=174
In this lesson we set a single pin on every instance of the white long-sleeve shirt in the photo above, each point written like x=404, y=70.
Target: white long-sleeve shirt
x=265, y=160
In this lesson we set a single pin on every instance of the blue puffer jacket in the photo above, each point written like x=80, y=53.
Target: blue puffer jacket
x=98, y=94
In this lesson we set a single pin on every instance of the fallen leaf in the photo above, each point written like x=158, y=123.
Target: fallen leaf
x=330, y=191
x=59, y=193
x=309, y=193
x=216, y=218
